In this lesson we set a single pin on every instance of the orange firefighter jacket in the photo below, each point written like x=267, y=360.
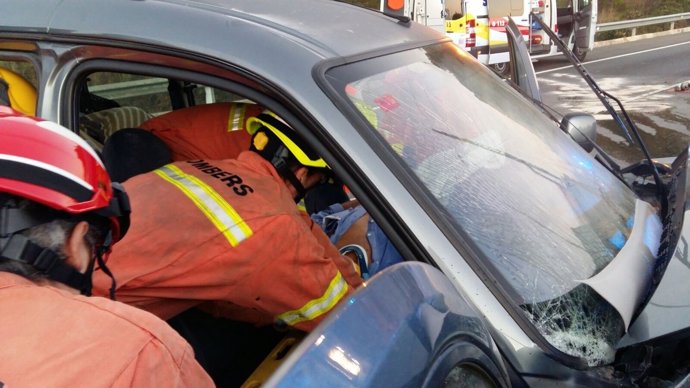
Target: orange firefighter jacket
x=213, y=131
x=53, y=338
x=226, y=231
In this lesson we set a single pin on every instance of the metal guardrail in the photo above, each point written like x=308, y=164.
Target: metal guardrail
x=126, y=89
x=633, y=24
x=143, y=87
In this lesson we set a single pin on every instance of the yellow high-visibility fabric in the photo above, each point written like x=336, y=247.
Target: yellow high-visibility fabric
x=214, y=207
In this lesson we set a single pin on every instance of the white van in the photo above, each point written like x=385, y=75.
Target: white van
x=478, y=26
x=430, y=13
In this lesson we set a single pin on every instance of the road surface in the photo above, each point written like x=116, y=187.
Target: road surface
x=644, y=75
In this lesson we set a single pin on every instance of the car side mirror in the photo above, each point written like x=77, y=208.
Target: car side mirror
x=582, y=128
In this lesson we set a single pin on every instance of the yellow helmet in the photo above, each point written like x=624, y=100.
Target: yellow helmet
x=17, y=92
x=270, y=136
x=279, y=144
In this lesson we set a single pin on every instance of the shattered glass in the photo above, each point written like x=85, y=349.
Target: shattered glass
x=544, y=213
x=580, y=323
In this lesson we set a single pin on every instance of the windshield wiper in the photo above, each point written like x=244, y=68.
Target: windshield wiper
x=604, y=98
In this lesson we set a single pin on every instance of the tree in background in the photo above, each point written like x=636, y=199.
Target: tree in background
x=375, y=4
x=613, y=10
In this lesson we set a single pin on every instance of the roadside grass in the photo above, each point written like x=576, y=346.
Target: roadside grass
x=614, y=10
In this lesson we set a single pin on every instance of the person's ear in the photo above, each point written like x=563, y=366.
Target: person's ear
x=77, y=250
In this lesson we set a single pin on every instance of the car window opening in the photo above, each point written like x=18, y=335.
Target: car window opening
x=143, y=123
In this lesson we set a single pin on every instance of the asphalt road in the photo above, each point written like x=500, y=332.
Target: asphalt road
x=643, y=74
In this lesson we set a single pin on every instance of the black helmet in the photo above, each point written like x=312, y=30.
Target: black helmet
x=276, y=142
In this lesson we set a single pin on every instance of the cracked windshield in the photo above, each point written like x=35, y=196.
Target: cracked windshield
x=540, y=209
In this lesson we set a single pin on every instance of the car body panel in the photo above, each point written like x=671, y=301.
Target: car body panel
x=32, y=16
x=666, y=315
x=406, y=320
x=668, y=311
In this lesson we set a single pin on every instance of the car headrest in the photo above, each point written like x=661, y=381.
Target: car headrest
x=133, y=151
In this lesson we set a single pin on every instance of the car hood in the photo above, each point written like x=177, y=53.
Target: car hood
x=667, y=313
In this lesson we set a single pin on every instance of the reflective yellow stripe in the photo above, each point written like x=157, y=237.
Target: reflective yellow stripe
x=214, y=207
x=236, y=117
x=316, y=307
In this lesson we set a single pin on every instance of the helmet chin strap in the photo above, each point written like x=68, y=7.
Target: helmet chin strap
x=282, y=167
x=19, y=248
x=297, y=185
x=99, y=252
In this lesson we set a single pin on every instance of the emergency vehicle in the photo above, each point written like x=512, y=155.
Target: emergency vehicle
x=430, y=13
x=478, y=26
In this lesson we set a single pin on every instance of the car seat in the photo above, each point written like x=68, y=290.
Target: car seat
x=102, y=124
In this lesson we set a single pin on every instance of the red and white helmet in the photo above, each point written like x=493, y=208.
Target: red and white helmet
x=50, y=165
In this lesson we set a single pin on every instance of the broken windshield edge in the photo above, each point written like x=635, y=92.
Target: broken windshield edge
x=589, y=320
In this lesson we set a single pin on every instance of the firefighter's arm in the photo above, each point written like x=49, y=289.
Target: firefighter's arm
x=346, y=263
x=311, y=279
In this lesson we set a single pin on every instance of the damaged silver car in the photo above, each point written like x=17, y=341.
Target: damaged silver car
x=530, y=257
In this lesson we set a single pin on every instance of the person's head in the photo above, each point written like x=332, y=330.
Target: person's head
x=288, y=152
x=59, y=211
x=16, y=92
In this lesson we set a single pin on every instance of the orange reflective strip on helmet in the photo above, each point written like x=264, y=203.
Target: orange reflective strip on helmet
x=212, y=204
x=317, y=307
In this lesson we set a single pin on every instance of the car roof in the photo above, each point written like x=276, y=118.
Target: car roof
x=323, y=28
x=280, y=45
